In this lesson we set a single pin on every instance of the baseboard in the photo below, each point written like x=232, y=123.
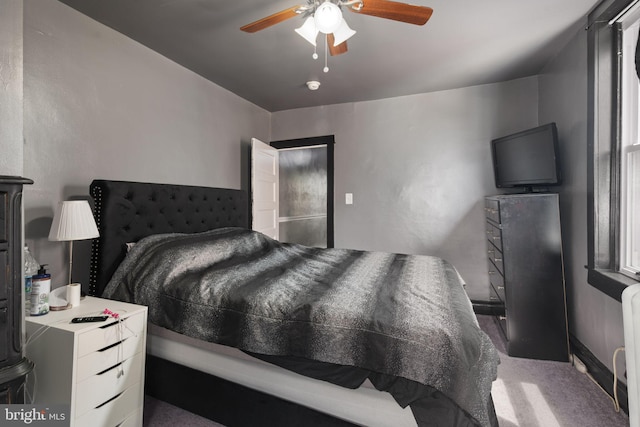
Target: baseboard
x=488, y=308
x=599, y=372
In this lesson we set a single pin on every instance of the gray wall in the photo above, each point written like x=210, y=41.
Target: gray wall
x=11, y=92
x=594, y=318
x=99, y=105
x=418, y=167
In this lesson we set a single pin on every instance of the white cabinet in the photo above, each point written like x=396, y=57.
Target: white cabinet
x=97, y=368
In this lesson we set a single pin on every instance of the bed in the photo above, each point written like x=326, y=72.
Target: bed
x=300, y=325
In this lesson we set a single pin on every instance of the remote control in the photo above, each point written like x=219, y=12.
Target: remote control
x=89, y=319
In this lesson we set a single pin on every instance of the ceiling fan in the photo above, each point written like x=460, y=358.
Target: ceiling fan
x=326, y=17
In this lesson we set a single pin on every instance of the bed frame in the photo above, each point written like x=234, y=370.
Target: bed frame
x=233, y=391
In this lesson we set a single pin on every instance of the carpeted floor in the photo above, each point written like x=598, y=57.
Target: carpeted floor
x=161, y=414
x=541, y=393
x=527, y=393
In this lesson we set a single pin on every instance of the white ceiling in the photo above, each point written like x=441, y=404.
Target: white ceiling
x=465, y=43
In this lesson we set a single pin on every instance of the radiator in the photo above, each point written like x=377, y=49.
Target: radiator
x=631, y=323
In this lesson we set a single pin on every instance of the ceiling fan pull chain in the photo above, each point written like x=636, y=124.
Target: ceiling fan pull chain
x=326, y=50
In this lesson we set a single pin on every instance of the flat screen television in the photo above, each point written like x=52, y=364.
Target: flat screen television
x=527, y=159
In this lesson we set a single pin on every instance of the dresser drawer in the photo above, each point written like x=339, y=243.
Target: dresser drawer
x=494, y=297
x=492, y=210
x=497, y=282
x=134, y=420
x=115, y=411
x=104, y=336
x=495, y=260
x=100, y=360
x=494, y=235
x=104, y=386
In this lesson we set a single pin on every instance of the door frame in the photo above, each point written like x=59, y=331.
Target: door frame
x=329, y=141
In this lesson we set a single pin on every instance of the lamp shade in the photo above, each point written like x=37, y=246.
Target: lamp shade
x=342, y=33
x=73, y=220
x=308, y=30
x=328, y=17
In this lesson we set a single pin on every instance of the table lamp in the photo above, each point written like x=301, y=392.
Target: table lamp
x=73, y=220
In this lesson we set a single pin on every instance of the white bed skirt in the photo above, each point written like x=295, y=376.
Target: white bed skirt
x=364, y=406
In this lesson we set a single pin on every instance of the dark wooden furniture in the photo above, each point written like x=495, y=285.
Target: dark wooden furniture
x=524, y=245
x=13, y=367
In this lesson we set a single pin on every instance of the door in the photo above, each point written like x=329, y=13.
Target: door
x=264, y=189
x=303, y=195
x=306, y=190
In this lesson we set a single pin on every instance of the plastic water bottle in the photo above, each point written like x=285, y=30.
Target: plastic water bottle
x=31, y=267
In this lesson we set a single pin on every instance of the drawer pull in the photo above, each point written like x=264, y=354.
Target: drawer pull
x=502, y=317
x=122, y=324
x=119, y=365
x=110, y=325
x=115, y=344
x=113, y=398
x=497, y=259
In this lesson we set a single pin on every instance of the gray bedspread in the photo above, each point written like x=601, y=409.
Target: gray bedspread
x=402, y=315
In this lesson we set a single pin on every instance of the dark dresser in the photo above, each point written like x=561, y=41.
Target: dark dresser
x=13, y=367
x=524, y=245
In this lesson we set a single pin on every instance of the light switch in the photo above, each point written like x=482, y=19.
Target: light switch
x=348, y=198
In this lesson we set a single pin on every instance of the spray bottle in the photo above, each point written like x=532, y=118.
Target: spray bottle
x=40, y=288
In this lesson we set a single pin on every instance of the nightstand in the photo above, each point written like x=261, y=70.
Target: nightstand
x=97, y=368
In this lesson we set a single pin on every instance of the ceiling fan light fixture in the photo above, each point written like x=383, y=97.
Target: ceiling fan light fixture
x=342, y=33
x=327, y=17
x=308, y=30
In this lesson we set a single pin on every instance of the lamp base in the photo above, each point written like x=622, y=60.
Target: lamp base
x=59, y=307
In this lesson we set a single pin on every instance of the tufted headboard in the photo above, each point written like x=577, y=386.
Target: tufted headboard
x=128, y=211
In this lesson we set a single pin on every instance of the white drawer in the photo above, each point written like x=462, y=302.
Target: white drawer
x=104, y=336
x=100, y=360
x=98, y=389
x=134, y=420
x=114, y=412
x=74, y=362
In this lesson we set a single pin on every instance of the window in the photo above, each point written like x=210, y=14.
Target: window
x=629, y=24
x=614, y=150
x=630, y=250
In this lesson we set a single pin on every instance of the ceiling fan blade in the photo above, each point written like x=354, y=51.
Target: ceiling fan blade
x=270, y=20
x=403, y=12
x=336, y=50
